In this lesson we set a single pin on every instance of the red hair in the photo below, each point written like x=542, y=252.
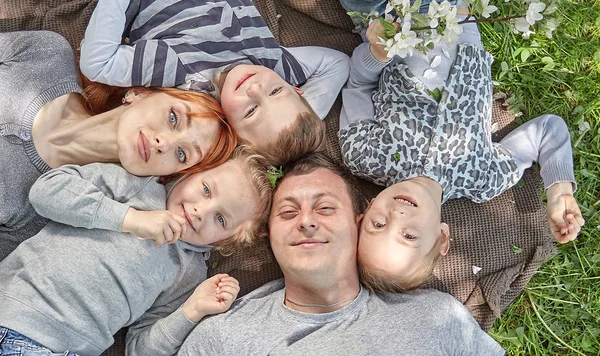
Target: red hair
x=102, y=98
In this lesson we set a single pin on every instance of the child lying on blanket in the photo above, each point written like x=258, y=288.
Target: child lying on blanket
x=82, y=278
x=225, y=48
x=394, y=133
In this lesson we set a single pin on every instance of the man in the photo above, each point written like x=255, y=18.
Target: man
x=320, y=308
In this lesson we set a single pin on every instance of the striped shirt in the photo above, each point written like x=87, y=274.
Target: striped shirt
x=185, y=43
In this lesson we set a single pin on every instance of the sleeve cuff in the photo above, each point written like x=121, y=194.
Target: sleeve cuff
x=559, y=172
x=363, y=55
x=177, y=325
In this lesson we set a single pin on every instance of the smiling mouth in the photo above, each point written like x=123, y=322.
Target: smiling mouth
x=243, y=79
x=143, y=147
x=187, y=217
x=308, y=243
x=406, y=200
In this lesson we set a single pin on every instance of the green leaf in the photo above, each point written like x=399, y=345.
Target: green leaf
x=525, y=53
x=415, y=6
x=584, y=172
x=520, y=184
x=214, y=264
x=436, y=94
x=504, y=66
x=597, y=56
x=516, y=249
x=396, y=156
x=520, y=331
x=597, y=21
x=420, y=20
x=274, y=174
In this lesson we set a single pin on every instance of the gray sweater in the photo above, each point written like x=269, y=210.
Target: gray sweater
x=35, y=68
x=423, y=322
x=79, y=280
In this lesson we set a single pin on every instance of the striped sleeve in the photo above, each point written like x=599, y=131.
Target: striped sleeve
x=155, y=63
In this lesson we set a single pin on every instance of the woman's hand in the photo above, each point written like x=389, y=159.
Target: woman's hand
x=214, y=295
x=563, y=212
x=160, y=226
x=375, y=31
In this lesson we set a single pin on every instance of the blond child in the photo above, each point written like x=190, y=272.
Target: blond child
x=81, y=279
x=394, y=133
x=272, y=96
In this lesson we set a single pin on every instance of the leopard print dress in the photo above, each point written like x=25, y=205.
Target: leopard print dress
x=450, y=142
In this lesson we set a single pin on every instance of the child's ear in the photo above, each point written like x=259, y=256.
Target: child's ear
x=132, y=95
x=359, y=218
x=299, y=91
x=446, y=239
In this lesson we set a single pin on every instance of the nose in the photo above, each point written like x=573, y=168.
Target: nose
x=254, y=89
x=307, y=223
x=163, y=143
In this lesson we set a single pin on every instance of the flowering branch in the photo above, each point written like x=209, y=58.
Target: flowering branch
x=406, y=30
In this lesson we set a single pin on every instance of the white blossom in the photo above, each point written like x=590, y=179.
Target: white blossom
x=438, y=10
x=476, y=269
x=453, y=28
x=521, y=25
x=549, y=27
x=487, y=8
x=429, y=73
x=403, y=43
x=534, y=12
x=436, y=61
x=584, y=126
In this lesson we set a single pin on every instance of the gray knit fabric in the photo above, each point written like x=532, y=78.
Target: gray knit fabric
x=424, y=322
x=73, y=287
x=35, y=67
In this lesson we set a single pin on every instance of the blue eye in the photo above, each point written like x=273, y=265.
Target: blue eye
x=181, y=156
x=206, y=190
x=275, y=91
x=221, y=219
x=173, y=119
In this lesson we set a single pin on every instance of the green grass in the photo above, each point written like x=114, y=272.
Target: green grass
x=558, y=313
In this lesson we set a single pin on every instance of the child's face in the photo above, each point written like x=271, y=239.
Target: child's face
x=401, y=225
x=259, y=104
x=214, y=203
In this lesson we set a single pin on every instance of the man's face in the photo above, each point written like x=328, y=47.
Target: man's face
x=259, y=104
x=313, y=227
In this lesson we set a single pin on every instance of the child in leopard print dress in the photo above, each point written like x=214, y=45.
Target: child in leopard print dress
x=393, y=132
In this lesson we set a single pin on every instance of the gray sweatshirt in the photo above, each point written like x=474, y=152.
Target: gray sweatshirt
x=423, y=322
x=35, y=68
x=79, y=280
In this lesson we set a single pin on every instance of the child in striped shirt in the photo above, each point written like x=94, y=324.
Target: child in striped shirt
x=270, y=94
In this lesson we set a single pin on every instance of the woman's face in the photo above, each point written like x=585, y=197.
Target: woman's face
x=155, y=135
x=214, y=203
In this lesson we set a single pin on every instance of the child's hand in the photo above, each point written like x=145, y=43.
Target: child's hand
x=375, y=31
x=564, y=215
x=160, y=226
x=214, y=295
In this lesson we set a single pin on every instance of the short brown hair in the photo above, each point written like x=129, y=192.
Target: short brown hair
x=253, y=165
x=315, y=160
x=305, y=135
x=380, y=281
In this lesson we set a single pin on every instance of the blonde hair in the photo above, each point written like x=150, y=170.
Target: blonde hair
x=253, y=165
x=378, y=280
x=305, y=135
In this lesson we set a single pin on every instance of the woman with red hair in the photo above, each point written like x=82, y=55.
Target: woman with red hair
x=48, y=120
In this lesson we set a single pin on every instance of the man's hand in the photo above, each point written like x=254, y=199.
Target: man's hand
x=563, y=212
x=375, y=31
x=160, y=226
x=214, y=295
